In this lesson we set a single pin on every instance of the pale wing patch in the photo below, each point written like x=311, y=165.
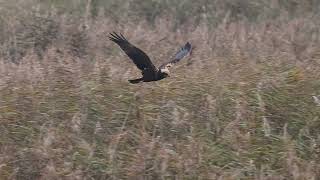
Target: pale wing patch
x=184, y=51
x=169, y=65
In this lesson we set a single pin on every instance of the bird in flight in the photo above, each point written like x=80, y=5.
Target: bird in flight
x=143, y=62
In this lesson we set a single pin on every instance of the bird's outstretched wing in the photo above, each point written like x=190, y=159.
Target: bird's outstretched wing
x=140, y=58
x=185, y=50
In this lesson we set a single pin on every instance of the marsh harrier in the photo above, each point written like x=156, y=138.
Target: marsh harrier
x=143, y=62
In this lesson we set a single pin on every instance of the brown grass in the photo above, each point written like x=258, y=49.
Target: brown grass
x=241, y=107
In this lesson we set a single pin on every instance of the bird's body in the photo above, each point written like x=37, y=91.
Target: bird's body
x=148, y=76
x=143, y=62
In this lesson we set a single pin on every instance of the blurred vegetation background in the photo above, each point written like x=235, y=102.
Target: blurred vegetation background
x=245, y=105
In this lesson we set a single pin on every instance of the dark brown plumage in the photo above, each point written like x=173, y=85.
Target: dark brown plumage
x=143, y=62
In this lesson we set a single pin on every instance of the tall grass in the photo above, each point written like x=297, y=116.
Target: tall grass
x=242, y=106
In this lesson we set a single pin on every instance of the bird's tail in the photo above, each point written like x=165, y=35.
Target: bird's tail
x=135, y=81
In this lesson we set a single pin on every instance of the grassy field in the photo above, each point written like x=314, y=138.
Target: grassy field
x=245, y=105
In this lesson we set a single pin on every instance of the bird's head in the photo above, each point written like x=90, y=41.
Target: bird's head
x=165, y=72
